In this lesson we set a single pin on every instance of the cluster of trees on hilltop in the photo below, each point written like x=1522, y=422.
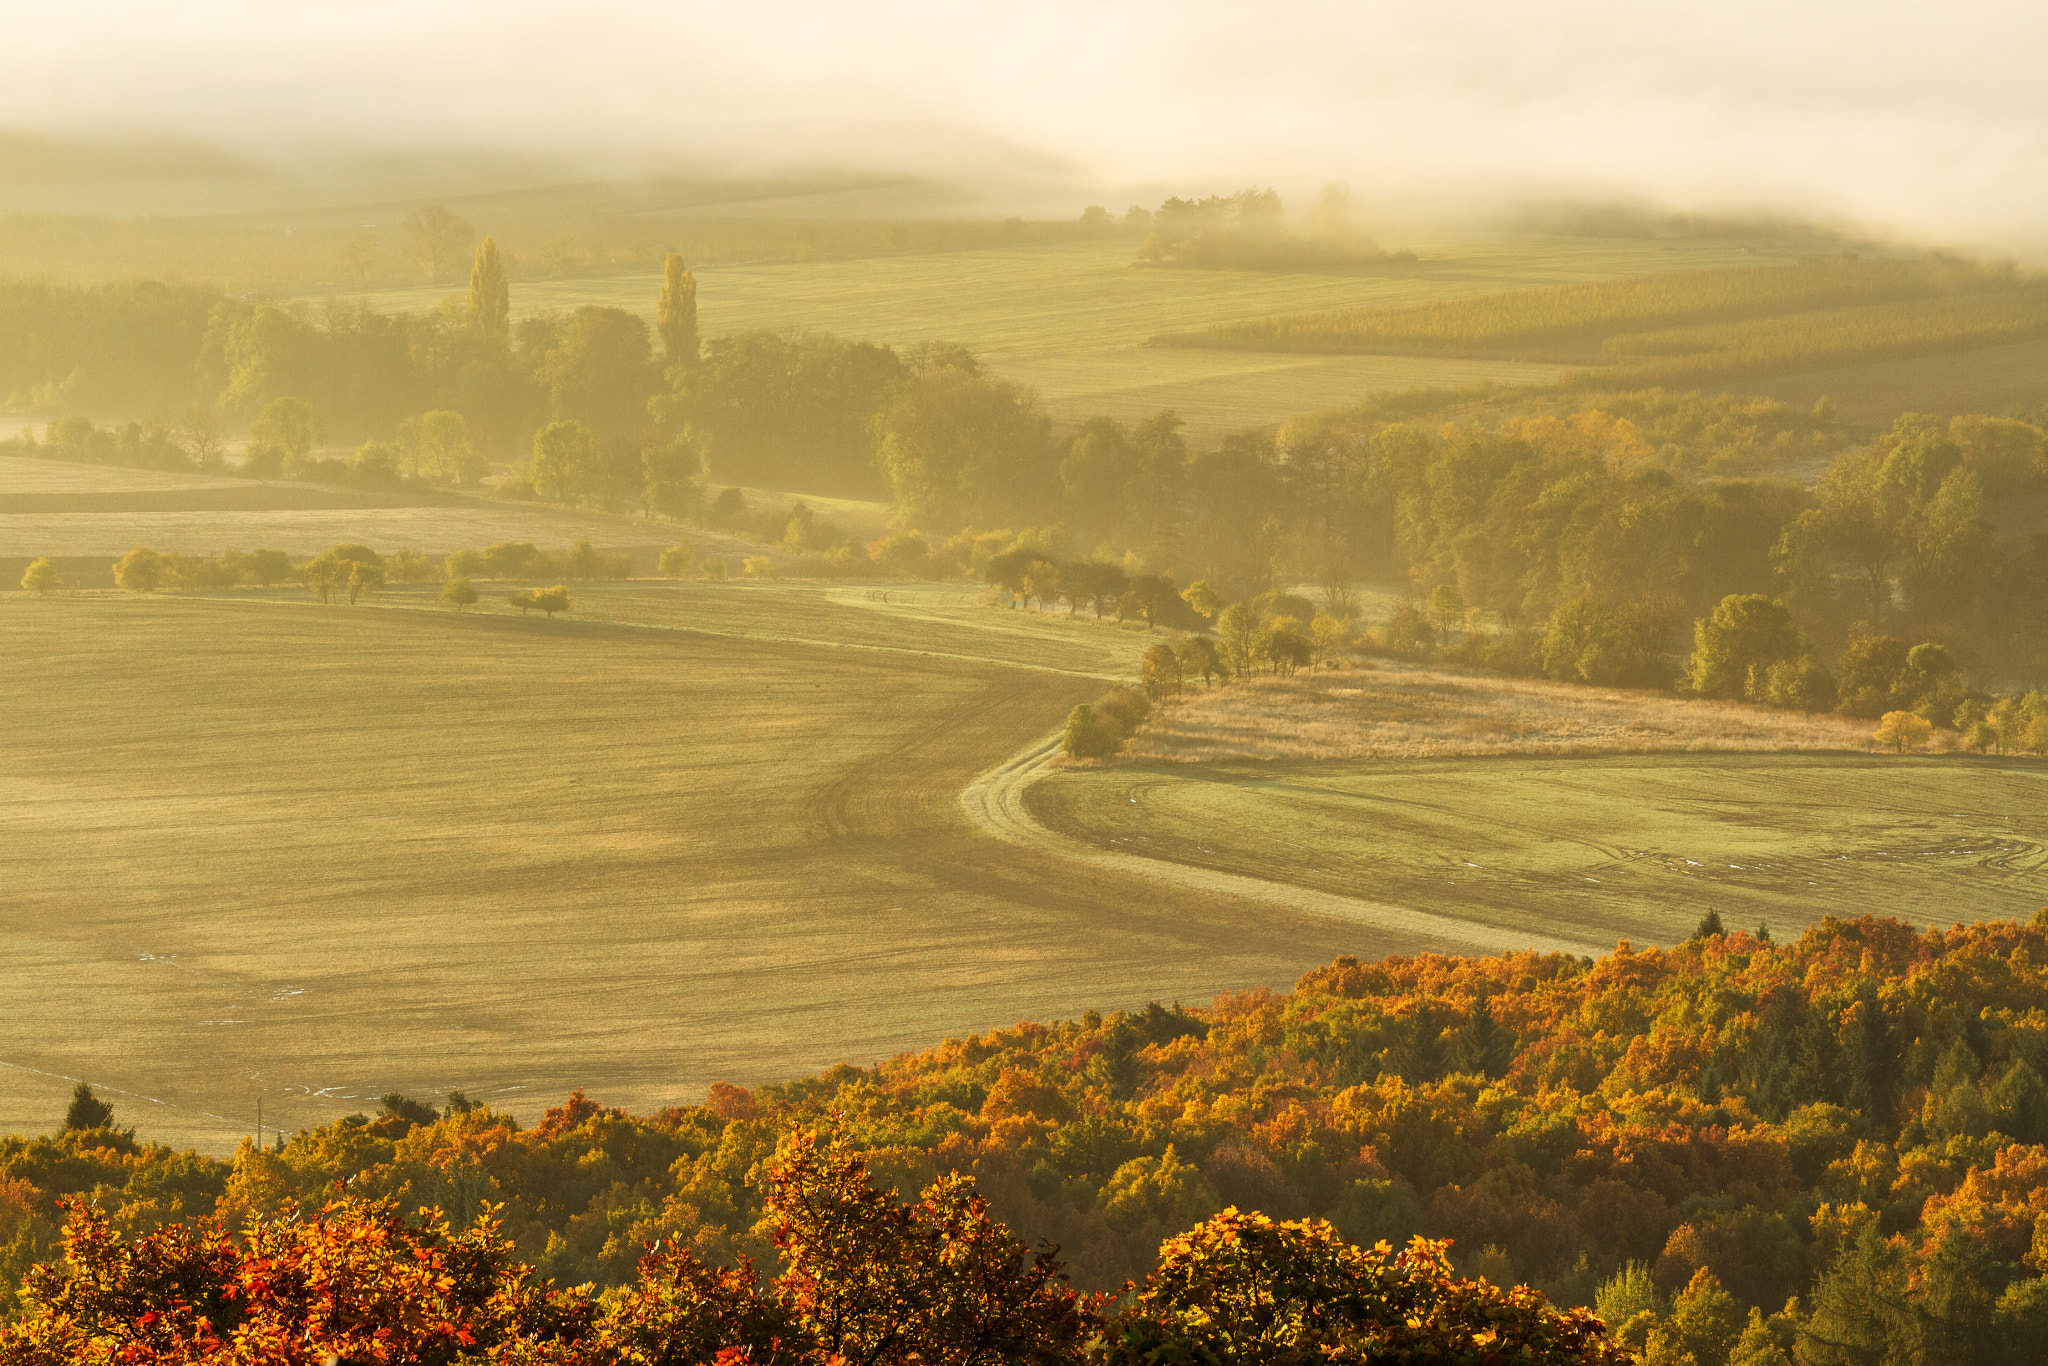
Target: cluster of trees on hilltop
x=1249, y=231
x=1828, y=1150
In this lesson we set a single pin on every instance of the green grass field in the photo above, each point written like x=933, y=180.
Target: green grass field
x=1635, y=846
x=267, y=849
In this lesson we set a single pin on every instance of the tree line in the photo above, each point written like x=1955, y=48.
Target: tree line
x=864, y=1276
x=1638, y=512
x=1827, y=1150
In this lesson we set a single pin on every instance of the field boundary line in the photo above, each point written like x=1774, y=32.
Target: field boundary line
x=762, y=637
x=994, y=802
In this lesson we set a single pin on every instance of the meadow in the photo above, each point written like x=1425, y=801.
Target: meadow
x=1596, y=847
x=1385, y=710
x=258, y=848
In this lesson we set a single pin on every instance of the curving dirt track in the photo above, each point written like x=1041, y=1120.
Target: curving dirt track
x=996, y=803
x=259, y=850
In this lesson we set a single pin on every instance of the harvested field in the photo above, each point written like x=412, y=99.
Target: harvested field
x=1385, y=711
x=263, y=848
x=76, y=511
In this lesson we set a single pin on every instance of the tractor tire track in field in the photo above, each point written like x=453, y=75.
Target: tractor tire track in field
x=995, y=803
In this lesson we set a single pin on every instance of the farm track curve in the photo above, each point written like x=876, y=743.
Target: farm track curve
x=996, y=803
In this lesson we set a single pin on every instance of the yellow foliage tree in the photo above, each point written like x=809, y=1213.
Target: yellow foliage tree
x=1903, y=731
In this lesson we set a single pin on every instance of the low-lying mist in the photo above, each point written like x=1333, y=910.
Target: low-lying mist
x=1901, y=119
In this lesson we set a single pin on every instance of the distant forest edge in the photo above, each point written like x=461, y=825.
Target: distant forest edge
x=1689, y=327
x=1634, y=512
x=1734, y=1150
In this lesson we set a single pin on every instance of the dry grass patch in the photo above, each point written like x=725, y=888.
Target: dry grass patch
x=1401, y=711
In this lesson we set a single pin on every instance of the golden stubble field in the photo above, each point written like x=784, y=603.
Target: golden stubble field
x=58, y=508
x=259, y=848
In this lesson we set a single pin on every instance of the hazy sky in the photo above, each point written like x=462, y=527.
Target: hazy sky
x=1928, y=118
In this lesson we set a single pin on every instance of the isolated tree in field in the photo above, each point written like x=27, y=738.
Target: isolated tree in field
x=676, y=315
x=459, y=593
x=1202, y=597
x=438, y=239
x=525, y=600
x=1747, y=633
x=42, y=575
x=677, y=561
x=1161, y=672
x=1903, y=730
x=551, y=600
x=1089, y=736
x=490, y=302
x=87, y=1111
x=292, y=425
x=141, y=570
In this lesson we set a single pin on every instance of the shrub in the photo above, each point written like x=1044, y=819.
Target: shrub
x=141, y=570
x=42, y=575
x=1089, y=736
x=677, y=561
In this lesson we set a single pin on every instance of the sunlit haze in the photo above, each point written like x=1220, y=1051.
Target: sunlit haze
x=1929, y=120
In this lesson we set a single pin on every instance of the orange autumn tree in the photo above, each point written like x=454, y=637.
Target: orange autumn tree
x=866, y=1280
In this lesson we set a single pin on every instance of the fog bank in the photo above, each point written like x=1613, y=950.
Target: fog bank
x=1926, y=120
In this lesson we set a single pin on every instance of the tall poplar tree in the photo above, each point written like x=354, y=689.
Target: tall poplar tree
x=678, y=313
x=490, y=303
